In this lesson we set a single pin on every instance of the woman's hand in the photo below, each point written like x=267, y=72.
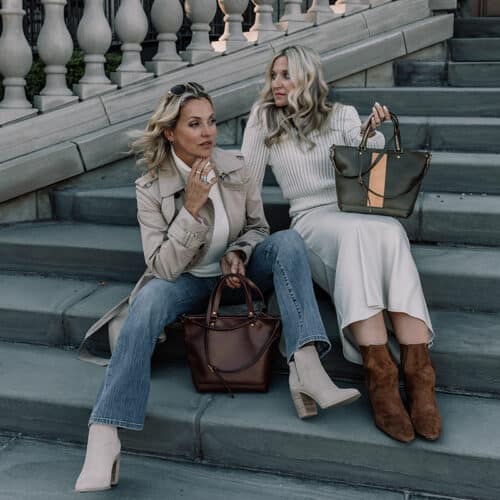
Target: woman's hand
x=198, y=186
x=379, y=115
x=232, y=262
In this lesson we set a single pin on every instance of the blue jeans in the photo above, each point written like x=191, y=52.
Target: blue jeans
x=280, y=261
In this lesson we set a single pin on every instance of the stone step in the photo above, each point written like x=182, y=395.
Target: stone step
x=477, y=27
x=438, y=217
x=463, y=173
x=454, y=172
x=474, y=74
x=115, y=205
x=409, y=73
x=118, y=205
x=95, y=250
x=448, y=133
x=453, y=276
x=48, y=470
x=475, y=49
x=456, y=218
x=51, y=310
x=58, y=312
x=256, y=431
x=425, y=101
x=464, y=277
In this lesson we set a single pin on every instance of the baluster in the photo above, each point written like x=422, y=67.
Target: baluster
x=15, y=62
x=292, y=19
x=201, y=12
x=321, y=12
x=167, y=16
x=55, y=47
x=94, y=37
x=131, y=26
x=348, y=7
x=263, y=28
x=232, y=38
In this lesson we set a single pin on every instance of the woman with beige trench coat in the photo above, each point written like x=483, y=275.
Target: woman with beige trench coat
x=200, y=216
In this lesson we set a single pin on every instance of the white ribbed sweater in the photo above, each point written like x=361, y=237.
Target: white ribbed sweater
x=306, y=177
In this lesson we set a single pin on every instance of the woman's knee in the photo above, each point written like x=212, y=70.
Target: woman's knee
x=156, y=298
x=288, y=242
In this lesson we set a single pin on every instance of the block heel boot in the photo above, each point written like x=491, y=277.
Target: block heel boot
x=101, y=468
x=310, y=384
x=382, y=381
x=420, y=381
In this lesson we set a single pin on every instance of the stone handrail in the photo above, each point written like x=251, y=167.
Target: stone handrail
x=94, y=37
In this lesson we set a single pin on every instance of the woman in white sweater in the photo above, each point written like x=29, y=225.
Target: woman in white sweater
x=362, y=261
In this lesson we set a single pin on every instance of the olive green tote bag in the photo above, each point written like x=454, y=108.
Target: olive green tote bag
x=379, y=181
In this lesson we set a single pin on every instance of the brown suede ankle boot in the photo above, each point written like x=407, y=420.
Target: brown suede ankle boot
x=420, y=381
x=381, y=374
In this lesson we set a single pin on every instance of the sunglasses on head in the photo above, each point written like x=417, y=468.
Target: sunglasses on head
x=181, y=88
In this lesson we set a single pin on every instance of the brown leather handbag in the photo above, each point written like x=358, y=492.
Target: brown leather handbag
x=231, y=353
x=378, y=181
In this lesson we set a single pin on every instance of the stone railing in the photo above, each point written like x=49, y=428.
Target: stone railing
x=55, y=45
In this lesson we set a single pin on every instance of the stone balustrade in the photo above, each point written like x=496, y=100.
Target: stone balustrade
x=94, y=36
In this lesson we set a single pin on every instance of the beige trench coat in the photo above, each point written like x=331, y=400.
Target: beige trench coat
x=174, y=242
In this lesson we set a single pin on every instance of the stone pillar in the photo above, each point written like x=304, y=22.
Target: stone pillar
x=94, y=37
x=321, y=12
x=292, y=19
x=131, y=26
x=263, y=28
x=166, y=16
x=232, y=38
x=15, y=62
x=55, y=47
x=201, y=12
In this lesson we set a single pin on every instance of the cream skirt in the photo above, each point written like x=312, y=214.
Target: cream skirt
x=364, y=263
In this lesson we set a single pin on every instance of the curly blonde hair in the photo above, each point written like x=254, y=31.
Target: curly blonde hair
x=308, y=108
x=151, y=145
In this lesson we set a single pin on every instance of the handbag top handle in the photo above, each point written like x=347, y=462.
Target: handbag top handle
x=214, y=301
x=396, y=137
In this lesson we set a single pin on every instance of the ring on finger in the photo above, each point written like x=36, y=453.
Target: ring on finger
x=204, y=179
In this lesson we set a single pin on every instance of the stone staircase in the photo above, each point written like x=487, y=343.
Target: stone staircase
x=59, y=276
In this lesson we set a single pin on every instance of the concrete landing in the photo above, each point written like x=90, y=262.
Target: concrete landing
x=49, y=393
x=38, y=470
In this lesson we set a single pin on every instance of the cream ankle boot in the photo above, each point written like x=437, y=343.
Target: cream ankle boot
x=102, y=461
x=310, y=384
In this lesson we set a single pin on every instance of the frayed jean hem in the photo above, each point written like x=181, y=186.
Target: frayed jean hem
x=116, y=423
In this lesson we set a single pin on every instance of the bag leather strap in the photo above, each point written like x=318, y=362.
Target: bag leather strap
x=211, y=318
x=215, y=297
x=396, y=136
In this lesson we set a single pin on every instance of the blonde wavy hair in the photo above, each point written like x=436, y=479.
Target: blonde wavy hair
x=150, y=145
x=308, y=108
